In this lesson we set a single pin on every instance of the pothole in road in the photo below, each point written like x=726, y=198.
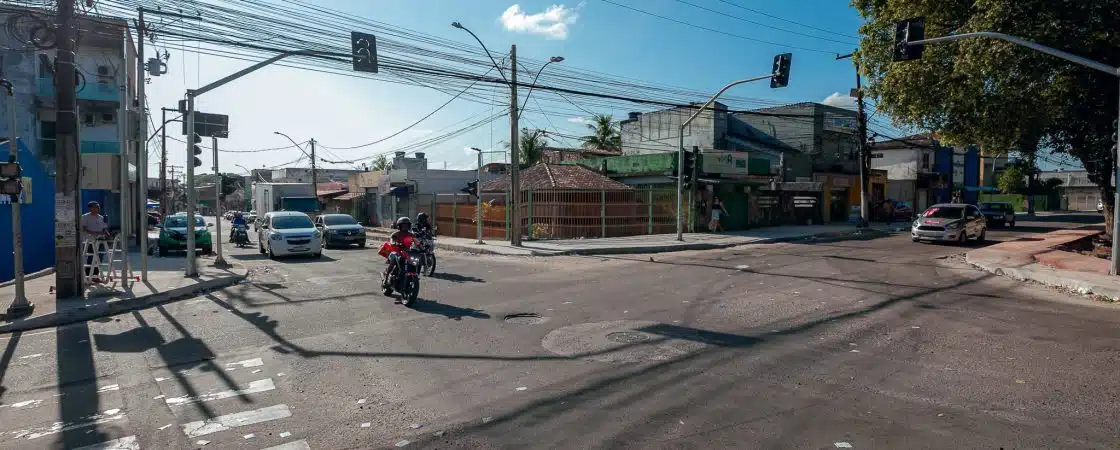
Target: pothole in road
x=524, y=319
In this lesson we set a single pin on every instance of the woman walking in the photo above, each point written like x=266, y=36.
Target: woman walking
x=718, y=212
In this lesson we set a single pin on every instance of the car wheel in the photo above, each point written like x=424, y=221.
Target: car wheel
x=981, y=237
x=963, y=239
x=1012, y=224
x=161, y=251
x=260, y=246
x=317, y=255
x=271, y=254
x=362, y=244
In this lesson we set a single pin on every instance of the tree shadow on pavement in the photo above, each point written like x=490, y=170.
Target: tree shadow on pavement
x=449, y=311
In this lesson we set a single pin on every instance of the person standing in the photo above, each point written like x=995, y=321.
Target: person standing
x=94, y=229
x=718, y=212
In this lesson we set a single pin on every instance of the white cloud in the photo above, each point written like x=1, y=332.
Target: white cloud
x=552, y=23
x=840, y=101
x=579, y=120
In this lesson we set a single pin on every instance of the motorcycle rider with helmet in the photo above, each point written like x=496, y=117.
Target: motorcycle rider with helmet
x=423, y=225
x=401, y=240
x=238, y=220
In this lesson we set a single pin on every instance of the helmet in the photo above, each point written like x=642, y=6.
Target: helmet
x=238, y=214
x=422, y=217
x=403, y=224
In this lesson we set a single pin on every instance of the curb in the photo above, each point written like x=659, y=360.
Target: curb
x=660, y=248
x=120, y=306
x=1048, y=278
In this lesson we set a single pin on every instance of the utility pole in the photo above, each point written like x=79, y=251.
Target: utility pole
x=20, y=306
x=192, y=259
x=693, y=191
x=514, y=156
x=864, y=160
x=141, y=138
x=67, y=262
x=122, y=131
x=217, y=238
x=163, y=164
x=314, y=174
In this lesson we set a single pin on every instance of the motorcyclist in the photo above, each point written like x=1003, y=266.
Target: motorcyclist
x=238, y=220
x=401, y=240
x=423, y=225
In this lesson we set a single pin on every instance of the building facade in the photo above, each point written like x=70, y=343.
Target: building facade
x=922, y=171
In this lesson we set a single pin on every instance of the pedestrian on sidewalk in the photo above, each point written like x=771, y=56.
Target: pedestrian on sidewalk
x=718, y=212
x=94, y=229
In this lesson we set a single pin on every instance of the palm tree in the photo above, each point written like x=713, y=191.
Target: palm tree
x=532, y=144
x=380, y=164
x=604, y=134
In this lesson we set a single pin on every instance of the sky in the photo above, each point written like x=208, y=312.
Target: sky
x=600, y=35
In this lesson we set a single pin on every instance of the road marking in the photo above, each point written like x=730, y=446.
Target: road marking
x=228, y=421
x=124, y=443
x=28, y=403
x=111, y=387
x=296, y=445
x=58, y=427
x=255, y=387
x=255, y=362
x=33, y=355
x=21, y=336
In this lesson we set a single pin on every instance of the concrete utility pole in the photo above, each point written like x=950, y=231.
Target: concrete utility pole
x=163, y=198
x=122, y=131
x=141, y=138
x=217, y=238
x=67, y=282
x=188, y=185
x=864, y=157
x=514, y=156
x=478, y=196
x=314, y=173
x=20, y=306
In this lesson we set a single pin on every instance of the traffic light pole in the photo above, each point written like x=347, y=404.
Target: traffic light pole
x=192, y=259
x=20, y=306
x=218, y=236
x=1114, y=71
x=680, y=149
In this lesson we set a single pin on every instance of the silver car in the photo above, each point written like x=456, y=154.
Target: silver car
x=950, y=222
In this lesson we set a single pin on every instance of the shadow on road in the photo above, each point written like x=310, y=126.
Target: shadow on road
x=77, y=370
x=455, y=278
x=6, y=359
x=298, y=259
x=449, y=311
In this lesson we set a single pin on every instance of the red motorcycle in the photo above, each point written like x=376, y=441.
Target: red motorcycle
x=405, y=276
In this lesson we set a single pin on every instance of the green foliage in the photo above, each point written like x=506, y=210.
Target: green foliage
x=604, y=134
x=999, y=95
x=380, y=163
x=531, y=145
x=1012, y=181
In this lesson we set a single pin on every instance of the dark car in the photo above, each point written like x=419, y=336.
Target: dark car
x=341, y=230
x=998, y=213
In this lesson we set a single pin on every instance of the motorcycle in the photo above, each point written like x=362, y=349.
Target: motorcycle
x=405, y=277
x=427, y=249
x=241, y=236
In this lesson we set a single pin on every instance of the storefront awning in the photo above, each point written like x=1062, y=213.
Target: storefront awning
x=349, y=196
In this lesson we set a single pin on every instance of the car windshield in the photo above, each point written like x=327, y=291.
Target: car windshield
x=289, y=222
x=944, y=212
x=181, y=222
x=339, y=220
x=993, y=206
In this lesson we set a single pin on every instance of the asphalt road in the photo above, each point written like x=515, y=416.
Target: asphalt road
x=873, y=344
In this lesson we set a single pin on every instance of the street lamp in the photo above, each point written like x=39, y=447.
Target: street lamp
x=496, y=66
x=554, y=59
x=314, y=181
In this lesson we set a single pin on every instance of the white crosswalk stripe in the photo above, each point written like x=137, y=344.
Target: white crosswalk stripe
x=230, y=421
x=255, y=387
x=297, y=445
x=124, y=443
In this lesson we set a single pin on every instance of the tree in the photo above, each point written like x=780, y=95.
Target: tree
x=380, y=163
x=1012, y=180
x=996, y=94
x=604, y=134
x=531, y=143
x=1051, y=185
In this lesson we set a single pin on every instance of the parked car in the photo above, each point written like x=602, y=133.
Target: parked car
x=340, y=229
x=283, y=233
x=173, y=235
x=954, y=222
x=998, y=213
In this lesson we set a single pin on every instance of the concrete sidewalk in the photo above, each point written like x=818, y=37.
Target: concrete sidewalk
x=166, y=283
x=656, y=243
x=1036, y=259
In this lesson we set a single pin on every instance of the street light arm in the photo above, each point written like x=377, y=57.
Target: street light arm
x=1025, y=43
x=248, y=70
x=721, y=91
x=484, y=49
x=525, y=104
x=293, y=141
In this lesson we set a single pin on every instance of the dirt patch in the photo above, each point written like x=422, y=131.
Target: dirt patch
x=1094, y=246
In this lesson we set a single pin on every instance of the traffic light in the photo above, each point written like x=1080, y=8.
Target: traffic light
x=195, y=140
x=688, y=167
x=781, y=70
x=907, y=31
x=11, y=182
x=472, y=188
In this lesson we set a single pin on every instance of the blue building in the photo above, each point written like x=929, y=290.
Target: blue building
x=923, y=171
x=37, y=218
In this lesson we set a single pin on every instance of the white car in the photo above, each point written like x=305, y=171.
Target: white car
x=284, y=233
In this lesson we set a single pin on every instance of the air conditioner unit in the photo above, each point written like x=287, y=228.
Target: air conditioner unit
x=102, y=71
x=88, y=119
x=108, y=117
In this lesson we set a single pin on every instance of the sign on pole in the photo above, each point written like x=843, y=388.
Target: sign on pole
x=209, y=125
x=363, y=48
